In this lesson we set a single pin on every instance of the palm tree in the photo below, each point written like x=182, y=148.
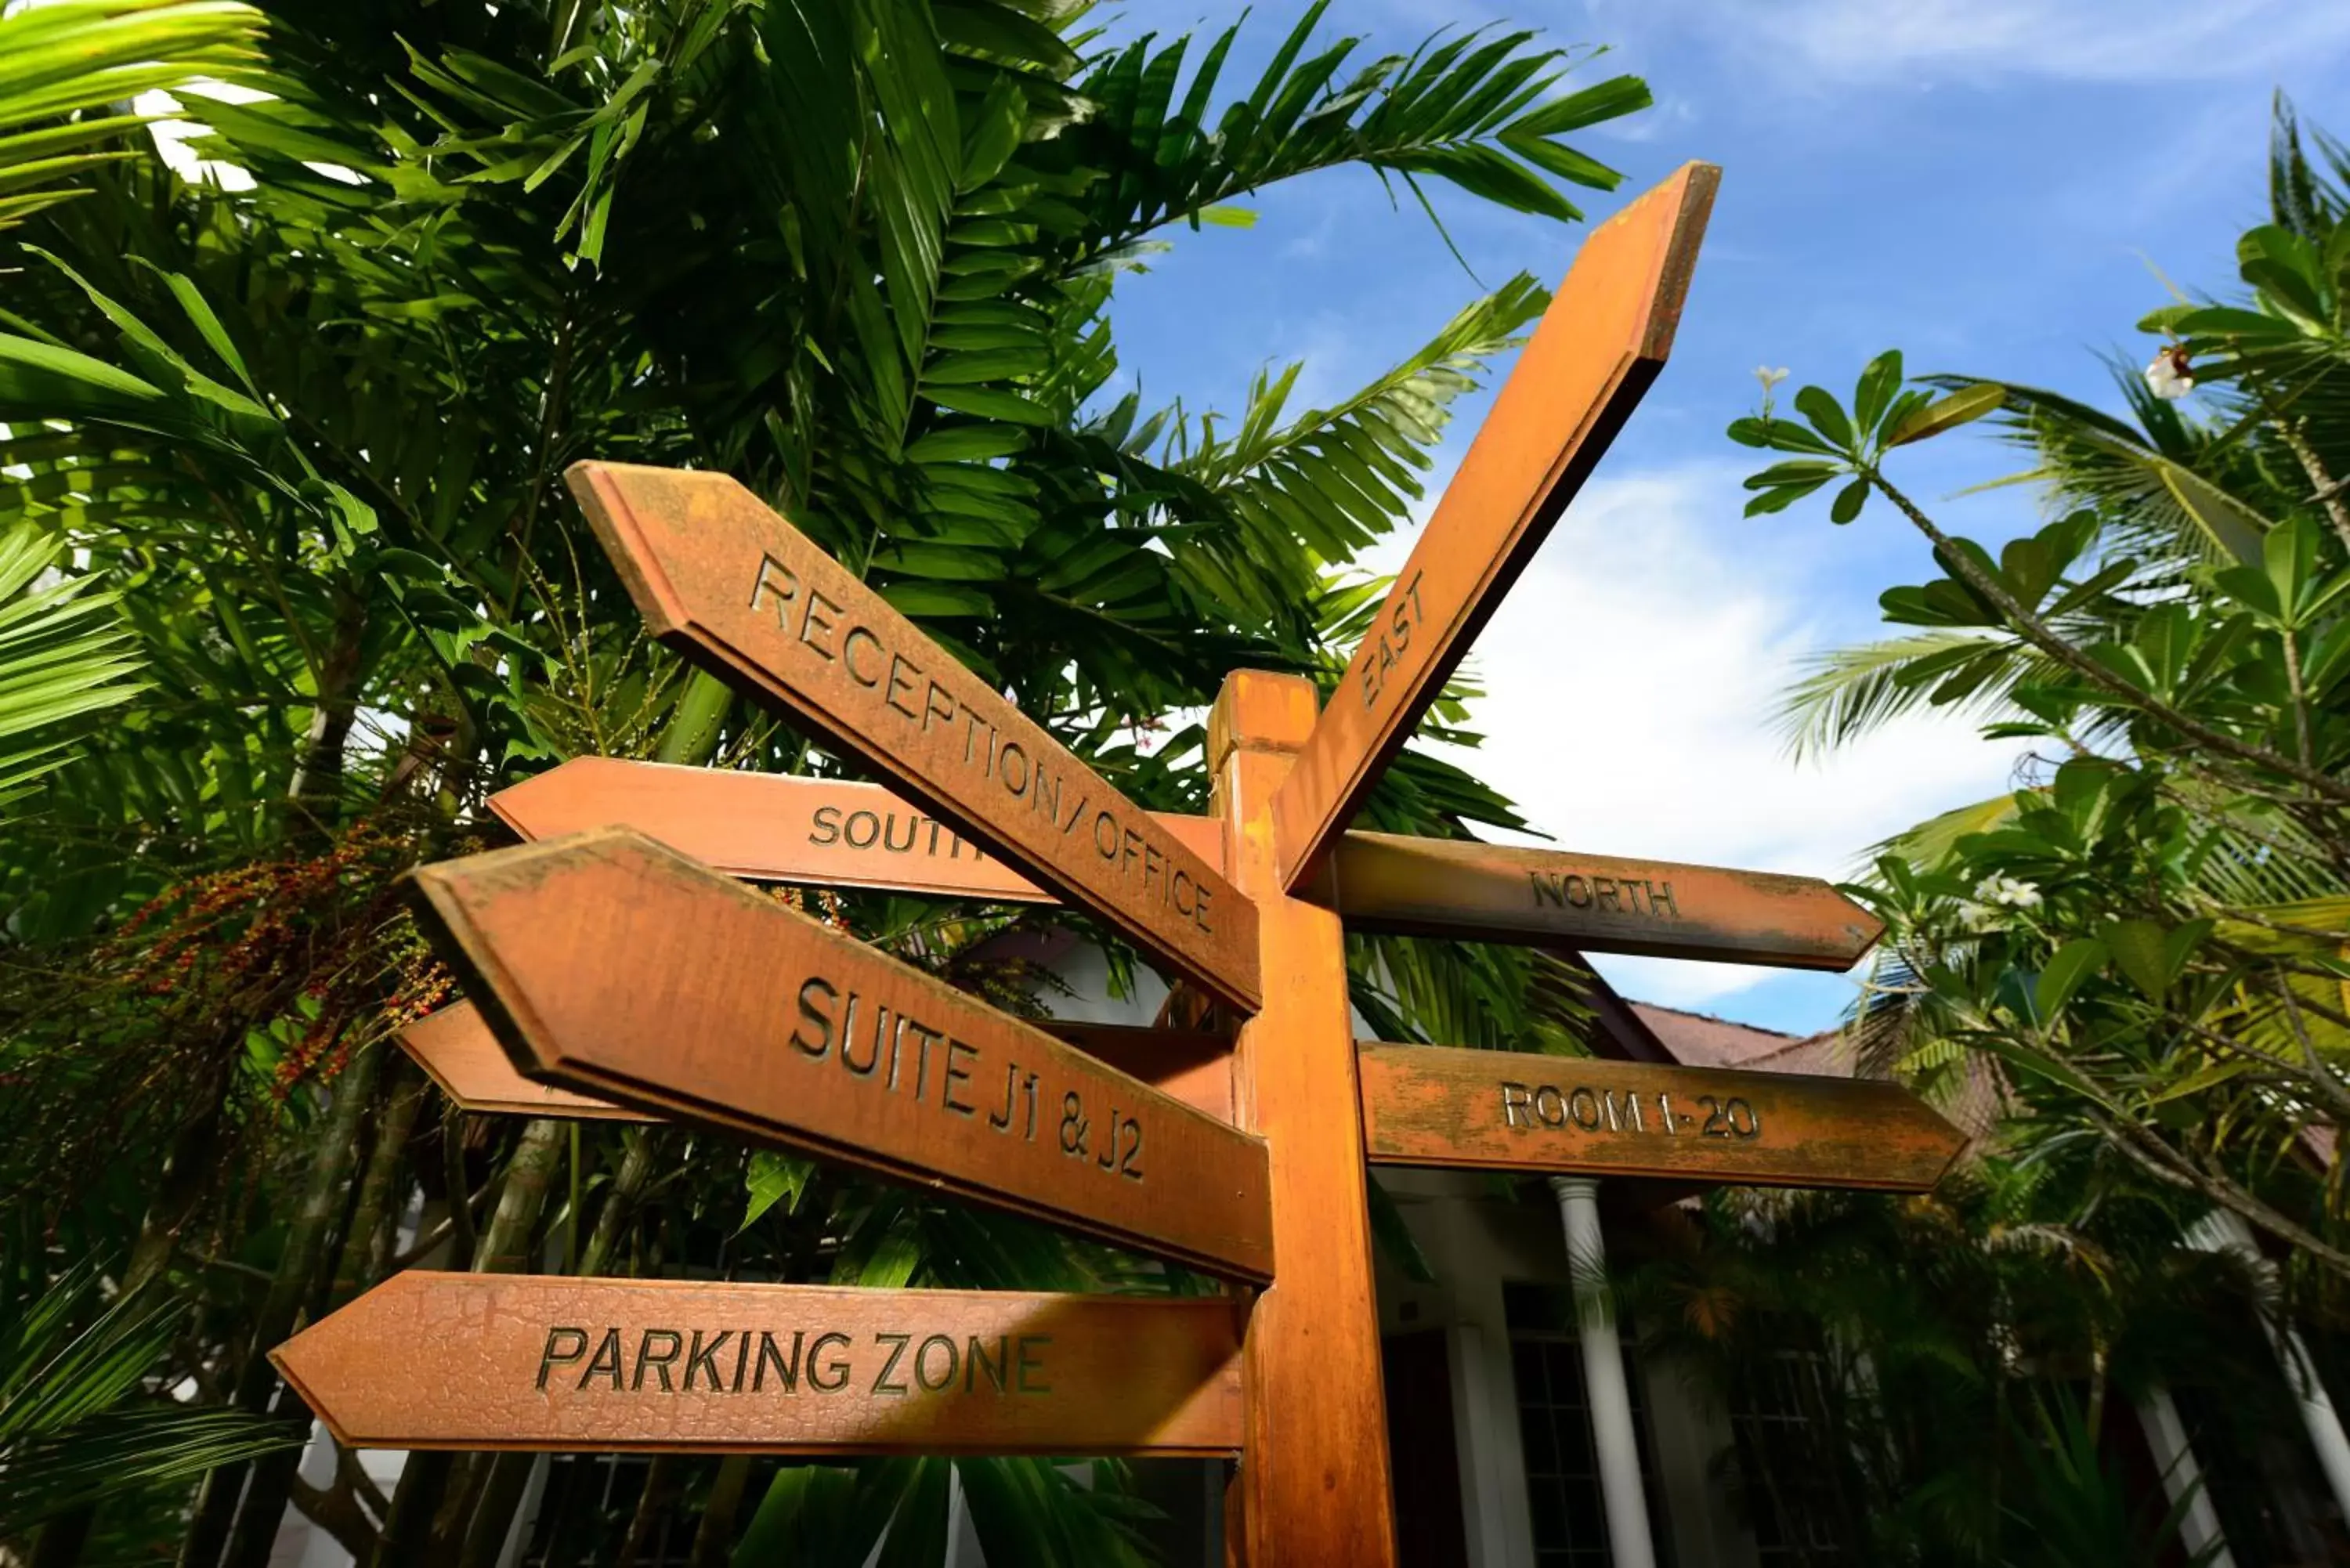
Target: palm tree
x=2143, y=942
x=861, y=256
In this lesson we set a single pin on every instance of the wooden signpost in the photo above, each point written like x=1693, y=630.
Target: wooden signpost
x=1597, y=903
x=459, y=1051
x=724, y=580
x=614, y=966
x=1600, y=344
x=1498, y=1110
x=610, y=972
x=502, y=1361
x=771, y=827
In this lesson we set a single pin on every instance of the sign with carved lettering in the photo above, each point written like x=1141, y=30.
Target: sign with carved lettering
x=778, y=828
x=457, y=1049
x=611, y=965
x=1491, y=892
x=771, y=827
x=1505, y=1110
x=724, y=579
x=503, y=1361
x=1599, y=346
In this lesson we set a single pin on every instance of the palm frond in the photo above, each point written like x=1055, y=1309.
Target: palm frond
x=75, y=1423
x=64, y=67
x=1846, y=693
x=63, y=655
x=1341, y=477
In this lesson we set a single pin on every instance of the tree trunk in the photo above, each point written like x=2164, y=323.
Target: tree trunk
x=317, y=789
x=62, y=1538
x=187, y=1176
x=367, y=1247
x=323, y=1199
x=662, y=1479
x=713, y=1541
x=510, y=1473
x=411, y=1539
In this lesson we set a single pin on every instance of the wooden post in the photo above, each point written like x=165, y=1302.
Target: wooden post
x=1312, y=1484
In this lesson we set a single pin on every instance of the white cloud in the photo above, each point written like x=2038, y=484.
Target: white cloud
x=1631, y=676
x=1927, y=40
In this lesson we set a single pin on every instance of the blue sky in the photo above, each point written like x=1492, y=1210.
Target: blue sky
x=1987, y=184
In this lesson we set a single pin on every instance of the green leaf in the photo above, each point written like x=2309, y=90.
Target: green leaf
x=2137, y=950
x=1967, y=404
x=1779, y=500
x=1878, y=384
x=1848, y=501
x=1611, y=99
x=961, y=443
x=769, y=1178
x=1819, y=405
x=2074, y=962
x=1801, y=470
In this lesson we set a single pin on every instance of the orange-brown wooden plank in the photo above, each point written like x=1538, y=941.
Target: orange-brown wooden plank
x=611, y=965
x=1598, y=346
x=724, y=579
x=503, y=1361
x=457, y=1048
x=776, y=827
x=460, y=1053
x=1312, y=1485
x=1492, y=892
x=1500, y=1110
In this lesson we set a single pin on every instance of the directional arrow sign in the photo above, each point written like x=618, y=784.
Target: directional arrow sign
x=458, y=1050
x=1599, y=346
x=777, y=828
x=724, y=580
x=490, y=1361
x=1500, y=1110
x=460, y=1054
x=615, y=967
x=1490, y=892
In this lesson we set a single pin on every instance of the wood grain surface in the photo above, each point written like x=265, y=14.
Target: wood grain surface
x=726, y=581
x=1597, y=349
x=1498, y=893
x=1314, y=1485
x=1506, y=1110
x=774, y=827
x=612, y=965
x=459, y=1051
x=504, y=1361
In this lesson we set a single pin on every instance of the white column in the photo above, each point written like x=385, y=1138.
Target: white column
x=2223, y=1231
x=1613, y=1438
x=2174, y=1456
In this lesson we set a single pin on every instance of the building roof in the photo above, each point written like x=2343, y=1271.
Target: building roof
x=1701, y=1040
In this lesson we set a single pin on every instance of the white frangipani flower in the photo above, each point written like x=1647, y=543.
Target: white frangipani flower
x=2170, y=376
x=2009, y=892
x=1770, y=378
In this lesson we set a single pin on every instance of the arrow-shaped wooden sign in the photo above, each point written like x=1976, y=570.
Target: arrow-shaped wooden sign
x=612, y=965
x=1492, y=892
x=724, y=580
x=1600, y=344
x=502, y=1361
x=774, y=828
x=458, y=1050
x=1503, y=1110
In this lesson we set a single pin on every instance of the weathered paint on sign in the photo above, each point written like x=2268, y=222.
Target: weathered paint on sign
x=1506, y=1110
x=1599, y=348
x=1498, y=893
x=612, y=965
x=501, y=1361
x=724, y=579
